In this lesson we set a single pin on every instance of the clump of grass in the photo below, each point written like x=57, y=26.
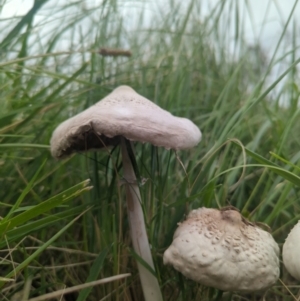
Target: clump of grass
x=244, y=100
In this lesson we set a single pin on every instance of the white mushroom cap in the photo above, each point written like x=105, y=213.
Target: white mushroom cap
x=223, y=250
x=123, y=113
x=291, y=252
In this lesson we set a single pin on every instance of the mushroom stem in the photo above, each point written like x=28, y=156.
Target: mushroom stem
x=138, y=232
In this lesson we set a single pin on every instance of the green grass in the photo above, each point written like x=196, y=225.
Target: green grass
x=56, y=231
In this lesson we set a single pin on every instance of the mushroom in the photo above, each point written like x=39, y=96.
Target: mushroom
x=220, y=248
x=291, y=252
x=121, y=116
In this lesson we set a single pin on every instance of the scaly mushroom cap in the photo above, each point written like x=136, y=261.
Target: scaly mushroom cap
x=123, y=113
x=291, y=252
x=223, y=250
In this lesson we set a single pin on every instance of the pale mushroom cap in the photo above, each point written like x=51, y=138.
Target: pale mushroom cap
x=223, y=250
x=123, y=113
x=291, y=252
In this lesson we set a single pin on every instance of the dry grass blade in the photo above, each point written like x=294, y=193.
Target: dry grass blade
x=114, y=52
x=286, y=287
x=79, y=287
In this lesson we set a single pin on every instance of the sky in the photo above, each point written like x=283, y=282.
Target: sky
x=268, y=16
x=264, y=21
x=16, y=7
x=270, y=13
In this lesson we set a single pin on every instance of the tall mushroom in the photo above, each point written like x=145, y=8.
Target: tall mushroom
x=291, y=252
x=220, y=248
x=120, y=116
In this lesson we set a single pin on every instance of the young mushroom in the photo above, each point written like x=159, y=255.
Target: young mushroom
x=220, y=248
x=121, y=116
x=291, y=252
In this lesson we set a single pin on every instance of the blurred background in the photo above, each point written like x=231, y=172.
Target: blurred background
x=230, y=66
